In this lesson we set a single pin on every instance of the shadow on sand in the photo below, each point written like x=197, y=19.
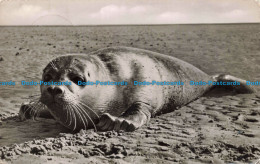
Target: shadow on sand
x=220, y=92
x=14, y=131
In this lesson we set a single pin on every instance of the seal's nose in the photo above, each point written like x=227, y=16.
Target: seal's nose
x=55, y=90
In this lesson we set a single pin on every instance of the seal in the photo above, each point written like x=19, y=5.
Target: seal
x=110, y=105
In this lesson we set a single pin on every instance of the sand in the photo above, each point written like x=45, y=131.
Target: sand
x=219, y=127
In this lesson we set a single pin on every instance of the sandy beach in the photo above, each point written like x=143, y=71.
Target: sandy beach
x=220, y=127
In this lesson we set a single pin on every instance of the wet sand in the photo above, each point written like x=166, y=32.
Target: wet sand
x=216, y=128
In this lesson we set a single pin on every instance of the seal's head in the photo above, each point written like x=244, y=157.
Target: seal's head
x=69, y=102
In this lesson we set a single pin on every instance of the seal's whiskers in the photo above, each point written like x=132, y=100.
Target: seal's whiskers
x=34, y=110
x=79, y=110
x=75, y=119
x=89, y=118
x=71, y=115
x=27, y=108
x=65, y=106
x=34, y=107
x=38, y=106
x=83, y=104
x=80, y=116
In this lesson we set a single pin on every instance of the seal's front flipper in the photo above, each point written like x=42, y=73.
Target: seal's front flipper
x=32, y=110
x=136, y=116
x=241, y=88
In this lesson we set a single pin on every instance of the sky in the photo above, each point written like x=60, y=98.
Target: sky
x=99, y=12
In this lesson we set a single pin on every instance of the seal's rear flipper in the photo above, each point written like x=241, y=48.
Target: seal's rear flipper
x=241, y=88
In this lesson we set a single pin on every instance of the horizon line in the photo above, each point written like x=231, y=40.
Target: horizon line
x=135, y=24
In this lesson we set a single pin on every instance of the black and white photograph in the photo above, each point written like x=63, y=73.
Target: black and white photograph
x=130, y=81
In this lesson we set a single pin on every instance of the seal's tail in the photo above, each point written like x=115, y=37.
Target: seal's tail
x=240, y=85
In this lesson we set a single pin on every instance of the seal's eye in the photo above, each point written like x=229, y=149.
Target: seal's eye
x=77, y=79
x=47, y=77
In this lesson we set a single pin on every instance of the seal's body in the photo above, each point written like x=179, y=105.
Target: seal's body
x=120, y=107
